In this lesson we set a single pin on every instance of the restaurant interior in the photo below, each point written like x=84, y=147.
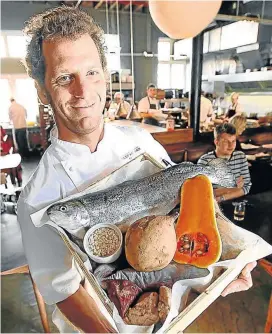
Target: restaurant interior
x=226, y=64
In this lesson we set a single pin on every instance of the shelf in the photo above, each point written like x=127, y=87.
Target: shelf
x=124, y=86
x=240, y=77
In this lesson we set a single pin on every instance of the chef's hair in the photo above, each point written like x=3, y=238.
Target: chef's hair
x=151, y=85
x=119, y=93
x=234, y=93
x=59, y=23
x=224, y=128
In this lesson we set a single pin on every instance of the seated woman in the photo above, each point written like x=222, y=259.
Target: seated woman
x=239, y=123
x=122, y=107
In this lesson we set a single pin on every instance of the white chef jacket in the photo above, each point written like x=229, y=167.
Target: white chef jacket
x=205, y=109
x=67, y=168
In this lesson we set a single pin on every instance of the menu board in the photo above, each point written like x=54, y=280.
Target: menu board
x=215, y=38
x=239, y=34
x=206, y=40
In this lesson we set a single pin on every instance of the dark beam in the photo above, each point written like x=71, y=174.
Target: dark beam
x=196, y=79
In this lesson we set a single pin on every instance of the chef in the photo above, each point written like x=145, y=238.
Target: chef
x=71, y=77
x=235, y=108
x=149, y=107
x=121, y=106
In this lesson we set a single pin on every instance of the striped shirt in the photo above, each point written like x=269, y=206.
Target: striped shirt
x=237, y=163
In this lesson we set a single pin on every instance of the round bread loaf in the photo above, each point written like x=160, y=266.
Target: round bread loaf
x=150, y=243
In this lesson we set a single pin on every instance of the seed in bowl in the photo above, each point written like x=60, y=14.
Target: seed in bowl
x=104, y=242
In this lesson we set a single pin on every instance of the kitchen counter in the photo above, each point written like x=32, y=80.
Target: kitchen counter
x=147, y=127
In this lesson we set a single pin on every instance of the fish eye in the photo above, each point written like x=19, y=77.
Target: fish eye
x=63, y=208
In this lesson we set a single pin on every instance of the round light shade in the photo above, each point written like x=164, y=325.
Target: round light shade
x=183, y=19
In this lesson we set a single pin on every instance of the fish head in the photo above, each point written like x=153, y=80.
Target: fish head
x=70, y=215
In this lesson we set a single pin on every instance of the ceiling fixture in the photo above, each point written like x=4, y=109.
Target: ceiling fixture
x=148, y=54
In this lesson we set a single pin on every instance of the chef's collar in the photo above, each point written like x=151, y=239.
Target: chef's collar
x=74, y=149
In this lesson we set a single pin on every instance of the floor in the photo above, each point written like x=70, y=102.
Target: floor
x=243, y=312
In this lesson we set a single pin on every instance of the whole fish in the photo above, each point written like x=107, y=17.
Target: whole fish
x=127, y=202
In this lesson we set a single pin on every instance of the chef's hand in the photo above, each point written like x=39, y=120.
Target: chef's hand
x=240, y=182
x=243, y=282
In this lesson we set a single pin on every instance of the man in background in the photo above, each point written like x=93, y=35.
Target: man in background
x=206, y=111
x=18, y=115
x=149, y=107
x=225, y=143
x=122, y=107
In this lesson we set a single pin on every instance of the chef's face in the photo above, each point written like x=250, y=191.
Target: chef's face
x=75, y=84
x=151, y=92
x=234, y=98
x=225, y=144
x=118, y=98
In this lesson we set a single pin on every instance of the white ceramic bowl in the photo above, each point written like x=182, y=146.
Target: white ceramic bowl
x=105, y=259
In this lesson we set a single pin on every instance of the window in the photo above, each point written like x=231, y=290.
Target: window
x=16, y=46
x=26, y=95
x=178, y=76
x=3, y=51
x=172, y=69
x=113, y=62
x=164, y=50
x=163, y=76
x=112, y=42
x=4, y=100
x=183, y=49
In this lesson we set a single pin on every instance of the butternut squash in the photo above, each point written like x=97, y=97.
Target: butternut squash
x=198, y=239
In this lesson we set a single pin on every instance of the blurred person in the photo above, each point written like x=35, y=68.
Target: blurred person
x=122, y=106
x=239, y=123
x=149, y=107
x=235, y=108
x=225, y=143
x=18, y=116
x=6, y=148
x=107, y=103
x=206, y=112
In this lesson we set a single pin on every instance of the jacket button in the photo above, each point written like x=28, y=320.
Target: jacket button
x=71, y=169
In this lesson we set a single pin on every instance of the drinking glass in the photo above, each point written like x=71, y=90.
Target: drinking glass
x=239, y=211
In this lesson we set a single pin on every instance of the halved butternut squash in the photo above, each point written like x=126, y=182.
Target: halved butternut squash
x=198, y=239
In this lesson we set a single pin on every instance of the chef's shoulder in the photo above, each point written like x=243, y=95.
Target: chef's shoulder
x=44, y=186
x=145, y=141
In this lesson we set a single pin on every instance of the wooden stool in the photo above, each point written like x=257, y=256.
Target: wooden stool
x=40, y=302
